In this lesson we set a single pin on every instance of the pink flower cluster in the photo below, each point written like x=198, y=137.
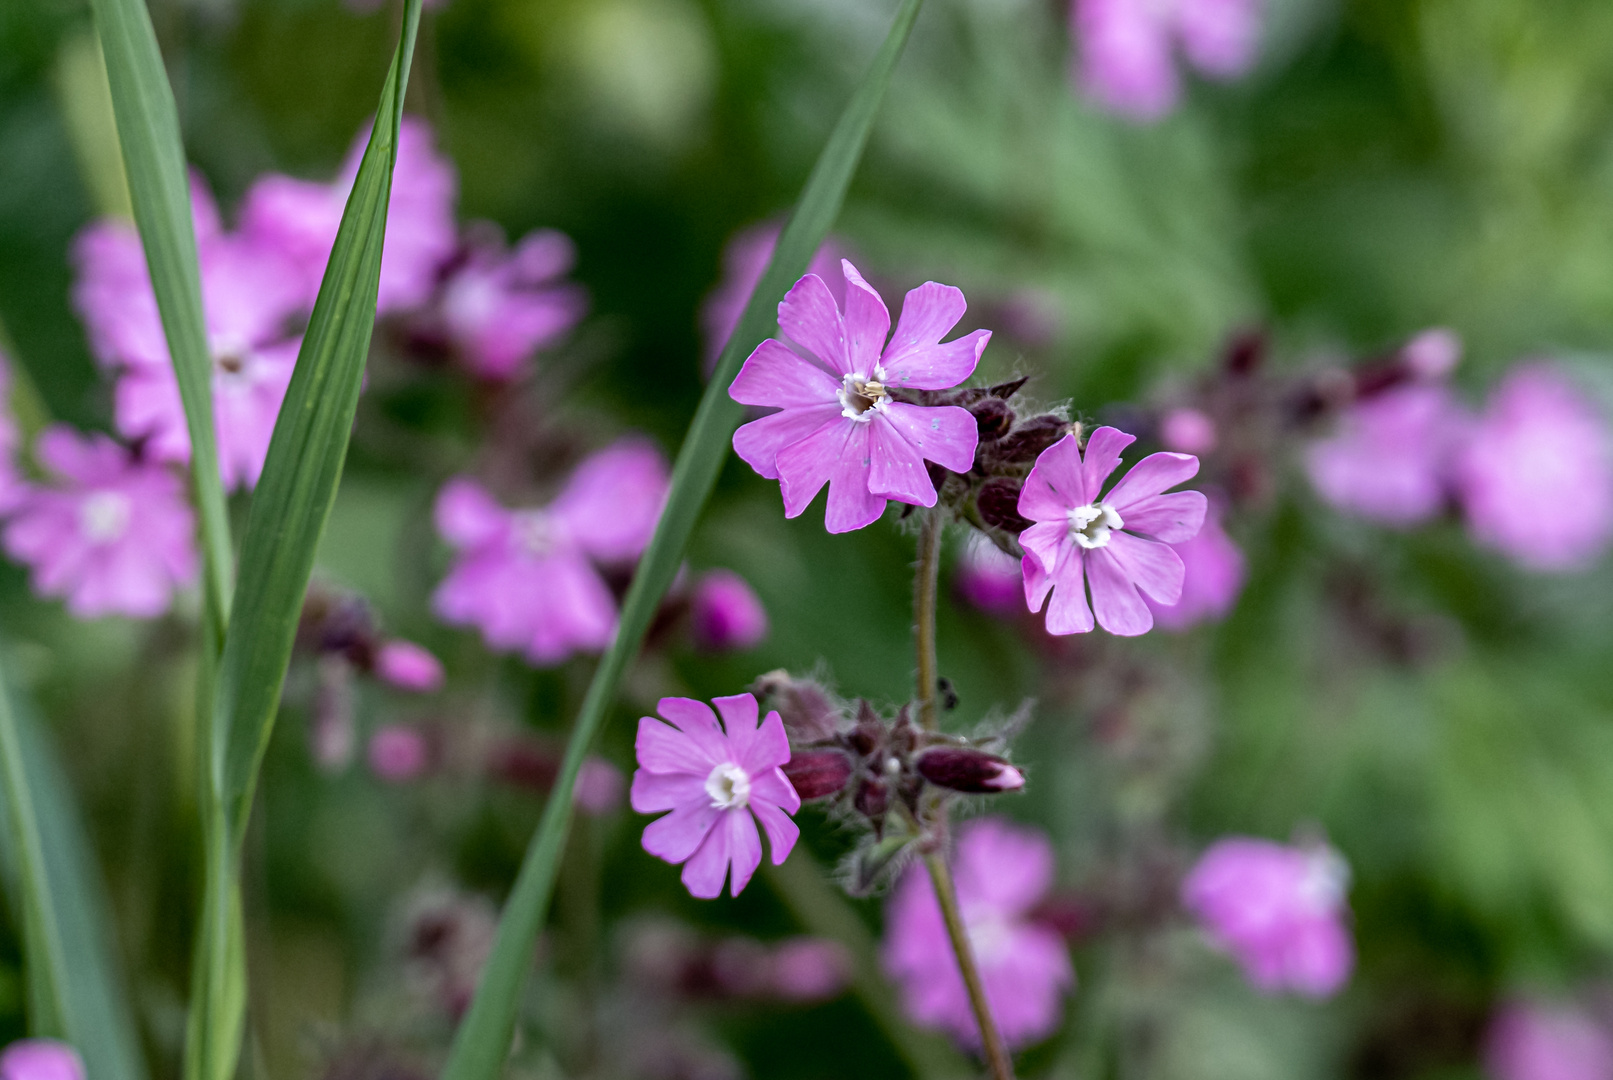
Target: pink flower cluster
x=529, y=579
x=1279, y=910
x=1402, y=456
x=1126, y=48
x=1001, y=871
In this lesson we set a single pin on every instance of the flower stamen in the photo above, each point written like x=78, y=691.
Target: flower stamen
x=860, y=396
x=729, y=787
x=1091, y=525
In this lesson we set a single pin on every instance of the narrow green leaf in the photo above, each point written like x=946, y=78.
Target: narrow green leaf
x=154, y=159
x=75, y=993
x=482, y=1042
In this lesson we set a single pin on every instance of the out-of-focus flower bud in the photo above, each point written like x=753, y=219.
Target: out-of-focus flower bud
x=808, y=712
x=1432, y=354
x=1245, y=352
x=998, y=502
x=1187, y=431
x=599, y=787
x=1026, y=442
x=40, y=1059
x=872, y=799
x=725, y=613
x=810, y=969
x=993, y=417
x=963, y=768
x=408, y=666
x=817, y=773
x=399, y=753
x=332, y=732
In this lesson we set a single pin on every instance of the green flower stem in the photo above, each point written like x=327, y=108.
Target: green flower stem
x=926, y=578
x=991, y=1040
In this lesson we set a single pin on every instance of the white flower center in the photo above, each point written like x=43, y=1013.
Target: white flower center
x=990, y=934
x=534, y=532
x=104, y=516
x=1091, y=525
x=1326, y=880
x=860, y=395
x=729, y=787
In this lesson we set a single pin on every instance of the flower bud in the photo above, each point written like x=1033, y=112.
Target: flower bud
x=998, y=502
x=817, y=773
x=963, y=768
x=1026, y=442
x=993, y=417
x=726, y=614
x=808, y=712
x=408, y=666
x=400, y=752
x=872, y=799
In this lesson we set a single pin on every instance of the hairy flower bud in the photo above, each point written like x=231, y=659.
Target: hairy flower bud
x=963, y=768
x=817, y=773
x=872, y=799
x=808, y=712
x=993, y=417
x=998, y=502
x=1026, y=442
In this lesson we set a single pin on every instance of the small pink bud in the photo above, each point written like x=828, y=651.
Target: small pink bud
x=1187, y=431
x=963, y=768
x=726, y=613
x=409, y=667
x=399, y=753
x=817, y=773
x=599, y=787
x=40, y=1059
x=810, y=969
x=1432, y=354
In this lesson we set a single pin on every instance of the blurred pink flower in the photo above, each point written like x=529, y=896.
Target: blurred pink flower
x=1279, y=910
x=399, y=752
x=13, y=488
x=1534, y=1041
x=1001, y=871
x=838, y=423
x=1077, y=541
x=249, y=293
x=113, y=536
x=1187, y=431
x=1432, y=354
x=714, y=777
x=725, y=613
x=599, y=787
x=299, y=218
x=1212, y=578
x=501, y=307
x=1389, y=460
x=744, y=261
x=988, y=577
x=40, y=1059
x=1126, y=59
x=526, y=578
x=408, y=666
x=810, y=969
x=1536, y=475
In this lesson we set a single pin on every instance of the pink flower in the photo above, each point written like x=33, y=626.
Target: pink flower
x=1187, y=431
x=1126, y=60
x=1389, y=460
x=500, y=308
x=1432, y=354
x=718, y=779
x=1077, y=539
x=726, y=613
x=839, y=422
x=399, y=753
x=1001, y=871
x=40, y=1059
x=527, y=578
x=1536, y=475
x=988, y=577
x=1279, y=910
x=1212, y=578
x=249, y=293
x=299, y=218
x=1534, y=1041
x=114, y=536
x=408, y=666
x=744, y=261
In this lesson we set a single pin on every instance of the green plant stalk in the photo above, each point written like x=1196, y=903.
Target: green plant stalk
x=154, y=161
x=926, y=586
x=482, y=1041
x=991, y=1040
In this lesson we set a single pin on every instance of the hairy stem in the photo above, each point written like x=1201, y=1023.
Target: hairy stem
x=926, y=575
x=991, y=1040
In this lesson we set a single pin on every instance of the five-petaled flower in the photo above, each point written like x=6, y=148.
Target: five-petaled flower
x=839, y=421
x=1118, y=543
x=714, y=776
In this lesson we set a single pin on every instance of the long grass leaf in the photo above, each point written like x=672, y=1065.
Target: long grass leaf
x=483, y=1039
x=154, y=159
x=75, y=992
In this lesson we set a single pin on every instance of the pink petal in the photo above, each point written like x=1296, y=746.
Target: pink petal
x=696, y=720
x=739, y=714
x=654, y=792
x=707, y=866
x=1175, y=517
x=836, y=454
x=897, y=470
x=1101, y=458
x=1038, y=582
x=758, y=442
x=1114, y=598
x=744, y=848
x=769, y=746
x=782, y=832
x=867, y=322
x=775, y=376
x=851, y=505
x=682, y=833
x=1045, y=540
x=807, y=315
x=946, y=435
x=662, y=749
x=771, y=786
x=1150, y=476
x=613, y=499
x=1153, y=567
x=1068, y=613
x=467, y=515
x=1056, y=485
x=916, y=358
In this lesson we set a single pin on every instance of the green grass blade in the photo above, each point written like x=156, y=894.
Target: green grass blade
x=154, y=159
x=75, y=993
x=483, y=1039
